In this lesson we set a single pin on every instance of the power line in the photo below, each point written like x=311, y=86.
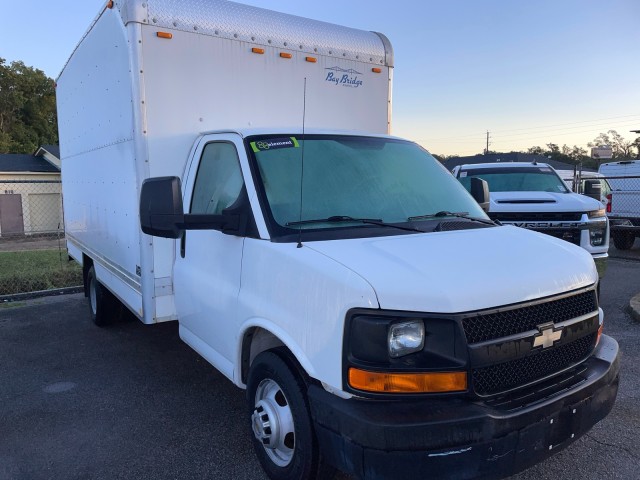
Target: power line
x=637, y=116
x=591, y=128
x=571, y=123
x=552, y=134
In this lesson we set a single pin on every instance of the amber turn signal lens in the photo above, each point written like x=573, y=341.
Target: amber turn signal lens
x=599, y=333
x=381, y=382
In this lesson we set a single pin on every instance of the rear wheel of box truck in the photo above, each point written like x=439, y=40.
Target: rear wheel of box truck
x=101, y=302
x=283, y=434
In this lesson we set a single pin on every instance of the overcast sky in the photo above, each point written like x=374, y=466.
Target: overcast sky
x=528, y=71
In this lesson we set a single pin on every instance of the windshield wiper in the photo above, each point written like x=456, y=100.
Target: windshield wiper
x=347, y=219
x=445, y=213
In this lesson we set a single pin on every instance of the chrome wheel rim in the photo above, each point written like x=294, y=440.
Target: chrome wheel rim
x=272, y=422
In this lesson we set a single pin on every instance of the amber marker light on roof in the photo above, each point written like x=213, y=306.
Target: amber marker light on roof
x=285, y=55
x=165, y=35
x=311, y=59
x=259, y=51
x=110, y=4
x=385, y=382
x=376, y=70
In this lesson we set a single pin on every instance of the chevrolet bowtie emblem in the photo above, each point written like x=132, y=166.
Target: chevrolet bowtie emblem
x=547, y=336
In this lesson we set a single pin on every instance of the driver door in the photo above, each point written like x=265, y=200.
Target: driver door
x=208, y=262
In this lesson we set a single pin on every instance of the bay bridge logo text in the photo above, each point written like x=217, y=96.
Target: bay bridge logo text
x=346, y=78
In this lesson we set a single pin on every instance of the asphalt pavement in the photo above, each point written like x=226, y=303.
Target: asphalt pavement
x=132, y=401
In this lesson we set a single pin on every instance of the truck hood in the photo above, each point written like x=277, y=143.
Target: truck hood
x=464, y=270
x=541, y=202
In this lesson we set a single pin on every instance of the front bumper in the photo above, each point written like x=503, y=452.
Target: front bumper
x=601, y=261
x=460, y=438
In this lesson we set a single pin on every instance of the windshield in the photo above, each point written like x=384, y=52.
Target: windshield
x=359, y=177
x=516, y=179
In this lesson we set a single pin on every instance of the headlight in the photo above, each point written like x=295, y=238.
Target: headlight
x=406, y=338
x=597, y=237
x=596, y=213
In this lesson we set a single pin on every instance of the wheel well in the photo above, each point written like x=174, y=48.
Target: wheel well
x=257, y=340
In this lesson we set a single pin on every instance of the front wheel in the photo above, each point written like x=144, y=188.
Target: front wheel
x=283, y=435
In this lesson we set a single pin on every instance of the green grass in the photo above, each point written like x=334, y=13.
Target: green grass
x=30, y=271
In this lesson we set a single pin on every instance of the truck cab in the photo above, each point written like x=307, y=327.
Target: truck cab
x=348, y=275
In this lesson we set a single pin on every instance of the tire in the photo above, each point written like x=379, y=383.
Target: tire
x=100, y=301
x=623, y=240
x=282, y=431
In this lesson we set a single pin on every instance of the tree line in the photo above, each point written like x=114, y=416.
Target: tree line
x=28, y=115
x=621, y=149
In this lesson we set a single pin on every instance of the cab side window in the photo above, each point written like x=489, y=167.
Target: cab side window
x=218, y=181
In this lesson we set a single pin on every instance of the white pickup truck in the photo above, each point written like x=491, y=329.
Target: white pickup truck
x=533, y=196
x=231, y=168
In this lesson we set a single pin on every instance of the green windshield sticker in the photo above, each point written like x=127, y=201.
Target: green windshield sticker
x=274, y=144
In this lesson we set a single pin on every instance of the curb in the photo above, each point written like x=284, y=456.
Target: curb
x=4, y=299
x=634, y=307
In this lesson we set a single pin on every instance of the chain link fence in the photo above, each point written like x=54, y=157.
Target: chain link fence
x=33, y=255
x=621, y=197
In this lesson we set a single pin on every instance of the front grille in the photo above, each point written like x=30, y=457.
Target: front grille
x=505, y=376
x=539, y=391
x=536, y=216
x=489, y=326
x=571, y=236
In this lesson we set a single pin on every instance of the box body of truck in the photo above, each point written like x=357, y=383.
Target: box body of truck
x=623, y=207
x=313, y=259
x=133, y=101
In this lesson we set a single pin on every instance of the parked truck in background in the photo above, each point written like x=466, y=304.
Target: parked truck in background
x=533, y=196
x=578, y=181
x=231, y=168
x=623, y=208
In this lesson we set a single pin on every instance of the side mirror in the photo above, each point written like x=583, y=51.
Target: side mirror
x=161, y=207
x=162, y=213
x=593, y=189
x=480, y=192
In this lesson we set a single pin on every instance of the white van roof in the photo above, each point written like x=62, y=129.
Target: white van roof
x=622, y=168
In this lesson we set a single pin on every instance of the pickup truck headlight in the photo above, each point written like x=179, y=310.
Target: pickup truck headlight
x=597, y=237
x=406, y=338
x=596, y=213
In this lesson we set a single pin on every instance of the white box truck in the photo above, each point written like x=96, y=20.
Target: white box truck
x=230, y=168
x=623, y=207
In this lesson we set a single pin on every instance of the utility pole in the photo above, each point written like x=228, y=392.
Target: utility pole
x=487, y=149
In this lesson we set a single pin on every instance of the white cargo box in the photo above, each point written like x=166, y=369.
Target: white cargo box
x=150, y=75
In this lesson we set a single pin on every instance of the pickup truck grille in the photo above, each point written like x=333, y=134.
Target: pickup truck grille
x=499, y=378
x=571, y=235
x=505, y=322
